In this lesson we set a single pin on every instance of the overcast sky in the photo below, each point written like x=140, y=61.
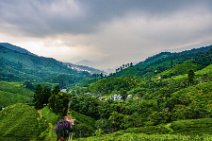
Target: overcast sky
x=105, y=33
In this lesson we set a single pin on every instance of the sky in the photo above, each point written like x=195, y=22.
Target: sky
x=105, y=33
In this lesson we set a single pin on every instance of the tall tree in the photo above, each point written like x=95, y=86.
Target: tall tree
x=191, y=75
x=29, y=85
x=46, y=94
x=59, y=103
x=52, y=98
x=38, y=98
x=56, y=90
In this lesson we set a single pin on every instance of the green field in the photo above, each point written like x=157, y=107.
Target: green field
x=183, y=130
x=23, y=122
x=14, y=92
x=168, y=97
x=146, y=137
x=20, y=122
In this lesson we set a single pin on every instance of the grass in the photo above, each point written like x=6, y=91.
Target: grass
x=20, y=122
x=7, y=98
x=15, y=88
x=193, y=127
x=206, y=70
x=146, y=137
x=14, y=92
x=50, y=119
x=80, y=118
x=180, y=69
x=183, y=130
x=48, y=115
x=200, y=73
x=82, y=123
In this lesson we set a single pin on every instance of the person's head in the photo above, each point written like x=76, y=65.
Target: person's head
x=65, y=117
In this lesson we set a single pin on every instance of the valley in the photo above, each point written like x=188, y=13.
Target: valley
x=166, y=97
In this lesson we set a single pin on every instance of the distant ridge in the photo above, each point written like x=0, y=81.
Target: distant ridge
x=79, y=68
x=18, y=64
x=82, y=68
x=15, y=48
x=166, y=60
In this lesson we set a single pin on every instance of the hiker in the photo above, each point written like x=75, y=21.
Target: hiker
x=64, y=129
x=71, y=121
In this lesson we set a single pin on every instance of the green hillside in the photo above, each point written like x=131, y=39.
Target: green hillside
x=171, y=64
x=23, y=66
x=184, y=130
x=84, y=125
x=144, y=137
x=14, y=92
x=20, y=122
x=166, y=97
x=178, y=69
x=128, y=101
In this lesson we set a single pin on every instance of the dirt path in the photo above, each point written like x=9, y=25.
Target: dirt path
x=40, y=114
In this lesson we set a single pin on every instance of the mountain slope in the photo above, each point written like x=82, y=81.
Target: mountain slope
x=14, y=92
x=15, y=48
x=182, y=130
x=198, y=58
x=20, y=122
x=166, y=103
x=19, y=65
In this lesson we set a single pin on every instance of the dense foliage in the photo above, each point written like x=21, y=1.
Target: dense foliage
x=175, y=63
x=122, y=102
x=14, y=92
x=169, y=94
x=22, y=66
x=21, y=123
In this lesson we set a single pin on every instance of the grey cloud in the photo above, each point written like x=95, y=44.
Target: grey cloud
x=136, y=37
x=47, y=17
x=106, y=32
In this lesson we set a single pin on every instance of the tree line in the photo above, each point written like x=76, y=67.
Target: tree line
x=56, y=100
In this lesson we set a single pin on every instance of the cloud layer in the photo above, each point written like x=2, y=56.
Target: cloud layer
x=102, y=33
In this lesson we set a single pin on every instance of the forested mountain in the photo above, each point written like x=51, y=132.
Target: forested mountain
x=17, y=64
x=167, y=97
x=15, y=48
x=164, y=88
x=191, y=59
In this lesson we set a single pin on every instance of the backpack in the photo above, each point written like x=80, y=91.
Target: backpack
x=63, y=128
